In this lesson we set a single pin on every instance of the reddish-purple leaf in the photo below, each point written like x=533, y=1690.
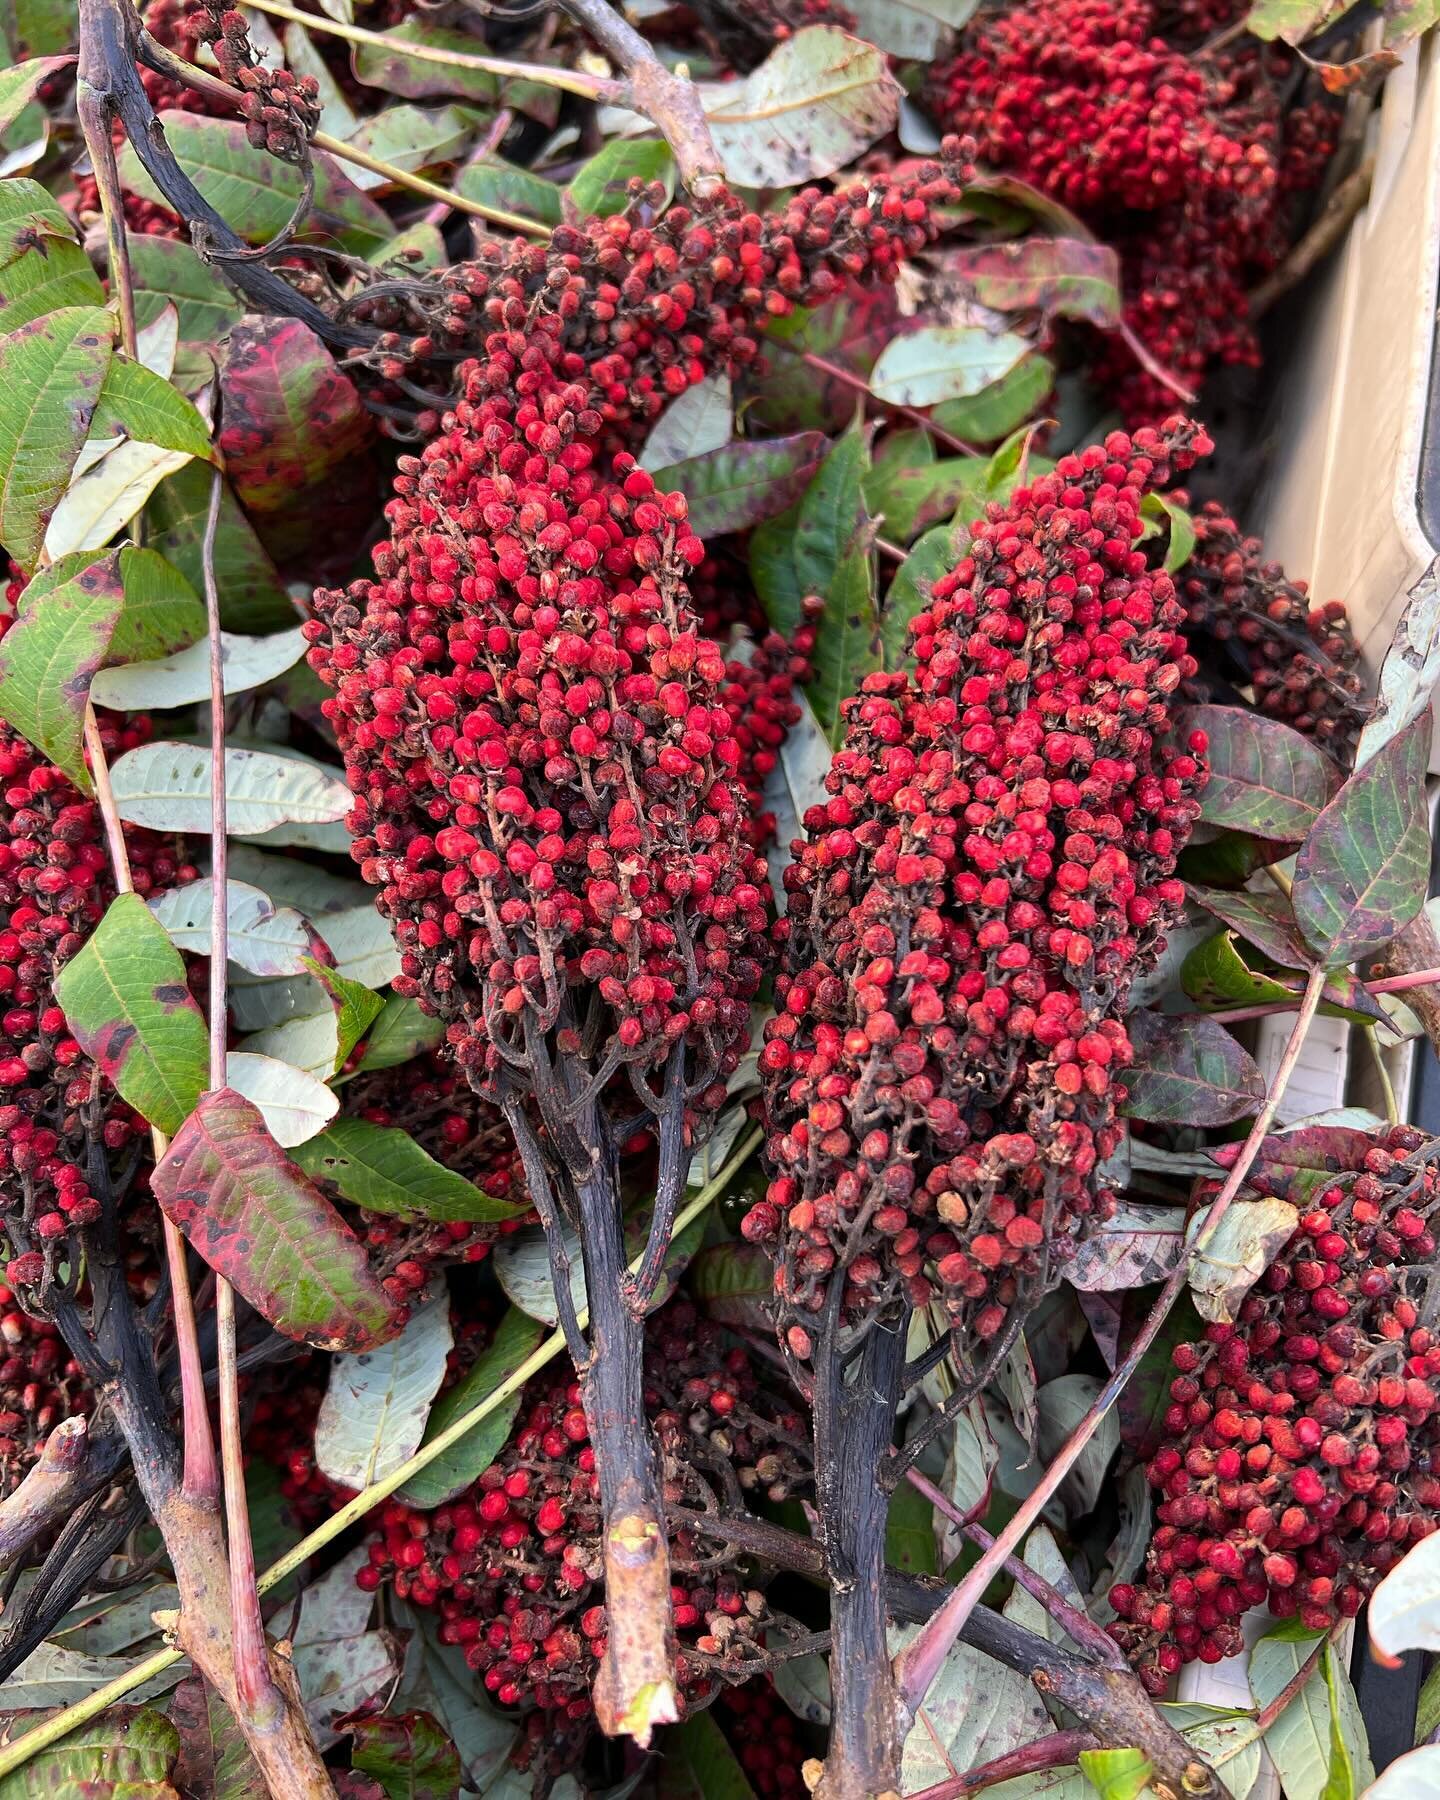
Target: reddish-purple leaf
x=1264, y=777
x=1264, y=920
x=296, y=440
x=269, y=1231
x=1294, y=1165
x=1056, y=277
x=1189, y=1071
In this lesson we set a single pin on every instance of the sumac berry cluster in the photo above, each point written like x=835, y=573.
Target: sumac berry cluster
x=1186, y=163
x=281, y=111
x=40, y=1384
x=55, y=884
x=1298, y=1458
x=765, y=1738
x=993, y=867
x=646, y=310
x=514, y=1565
x=1302, y=661
x=546, y=774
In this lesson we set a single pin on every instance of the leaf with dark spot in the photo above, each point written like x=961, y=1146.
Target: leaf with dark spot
x=49, y=657
x=1364, y=869
x=386, y=1171
x=1189, y=1071
x=257, y=1220
x=1264, y=777
x=1265, y=920
x=125, y=999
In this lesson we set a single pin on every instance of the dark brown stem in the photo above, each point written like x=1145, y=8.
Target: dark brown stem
x=1053, y=1752
x=48, y=1493
x=635, y=1687
x=1322, y=237
x=670, y=101
x=855, y=1407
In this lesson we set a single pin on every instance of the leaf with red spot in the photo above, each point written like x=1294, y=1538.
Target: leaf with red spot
x=258, y=1221
x=125, y=998
x=296, y=441
x=1296, y=1165
x=408, y=1754
x=1057, y=277
x=51, y=654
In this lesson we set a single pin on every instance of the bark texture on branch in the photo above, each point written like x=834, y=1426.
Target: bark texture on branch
x=48, y=1493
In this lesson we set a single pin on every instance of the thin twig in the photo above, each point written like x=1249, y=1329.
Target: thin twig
x=58, y=1726
x=917, y=1666
x=166, y=62
x=1322, y=237
x=1081, y=1627
x=570, y=81
x=669, y=99
x=858, y=384
x=1053, y=1752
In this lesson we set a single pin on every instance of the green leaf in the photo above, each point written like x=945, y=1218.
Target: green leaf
x=734, y=1282
x=144, y=406
x=914, y=29
x=252, y=1215
x=162, y=612
x=255, y=193
x=29, y=214
x=1001, y=406
x=408, y=1754
x=1292, y=20
x=125, y=998
x=356, y=1007
x=1340, y=1780
x=385, y=1171
x=1057, y=277
x=42, y=268
x=38, y=27
x=1189, y=1071
x=1116, y=1774
x=516, y=1340
x=933, y=556
x=125, y=1754
x=170, y=270
x=510, y=189
x=251, y=595
x=904, y=501
x=166, y=786
x=1364, y=869
x=744, y=482
x=18, y=85
x=49, y=657
x=699, y=1764
x=1217, y=974
x=183, y=678
x=1161, y=513
x=377, y=1401
x=1264, y=777
x=214, y=1760
x=944, y=362
x=413, y=79
x=818, y=100
x=412, y=138
x=51, y=373
x=1300, y=1740
x=910, y=1532
x=601, y=185
x=401, y=1032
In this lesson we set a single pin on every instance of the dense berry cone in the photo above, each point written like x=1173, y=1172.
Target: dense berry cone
x=993, y=868
x=544, y=767
x=514, y=1567
x=1300, y=1441
x=1303, y=661
x=1186, y=163
x=55, y=884
x=40, y=1384
x=643, y=310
